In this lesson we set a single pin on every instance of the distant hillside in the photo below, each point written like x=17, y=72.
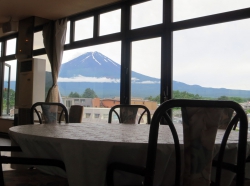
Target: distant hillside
x=102, y=74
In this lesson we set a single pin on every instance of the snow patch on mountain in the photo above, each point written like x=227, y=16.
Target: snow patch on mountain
x=85, y=58
x=95, y=58
x=114, y=63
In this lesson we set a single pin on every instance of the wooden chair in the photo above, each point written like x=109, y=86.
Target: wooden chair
x=203, y=117
x=49, y=113
x=130, y=114
x=76, y=113
x=29, y=176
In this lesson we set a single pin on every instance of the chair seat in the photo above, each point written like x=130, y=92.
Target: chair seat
x=32, y=177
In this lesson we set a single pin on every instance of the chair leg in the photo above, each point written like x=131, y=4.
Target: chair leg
x=1, y=175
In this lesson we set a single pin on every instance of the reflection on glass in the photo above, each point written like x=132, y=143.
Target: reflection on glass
x=90, y=77
x=9, y=88
x=146, y=14
x=38, y=40
x=196, y=8
x=84, y=28
x=67, y=33
x=11, y=46
x=145, y=77
x=212, y=62
x=110, y=22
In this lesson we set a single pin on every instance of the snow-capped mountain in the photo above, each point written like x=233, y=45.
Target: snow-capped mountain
x=100, y=73
x=96, y=67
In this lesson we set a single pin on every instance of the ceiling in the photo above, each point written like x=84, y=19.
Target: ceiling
x=48, y=9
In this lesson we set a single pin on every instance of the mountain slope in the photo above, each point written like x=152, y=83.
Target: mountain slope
x=102, y=74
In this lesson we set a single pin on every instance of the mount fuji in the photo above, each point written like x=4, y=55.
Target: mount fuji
x=100, y=73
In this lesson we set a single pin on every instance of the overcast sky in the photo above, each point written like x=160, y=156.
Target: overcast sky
x=213, y=56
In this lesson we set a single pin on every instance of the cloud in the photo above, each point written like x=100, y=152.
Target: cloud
x=147, y=82
x=80, y=78
x=89, y=79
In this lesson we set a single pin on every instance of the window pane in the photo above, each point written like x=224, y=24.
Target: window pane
x=0, y=49
x=196, y=8
x=84, y=29
x=38, y=40
x=9, y=88
x=92, y=75
x=212, y=62
x=110, y=22
x=67, y=33
x=145, y=77
x=146, y=14
x=11, y=46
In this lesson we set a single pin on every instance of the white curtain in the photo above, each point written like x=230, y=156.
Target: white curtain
x=54, y=34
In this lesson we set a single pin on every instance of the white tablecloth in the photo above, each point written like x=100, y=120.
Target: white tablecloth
x=87, y=148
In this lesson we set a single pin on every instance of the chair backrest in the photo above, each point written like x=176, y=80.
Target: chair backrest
x=25, y=161
x=130, y=114
x=201, y=119
x=48, y=113
x=76, y=113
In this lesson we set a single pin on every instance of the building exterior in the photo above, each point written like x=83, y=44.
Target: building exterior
x=96, y=109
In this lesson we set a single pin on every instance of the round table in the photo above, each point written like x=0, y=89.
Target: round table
x=87, y=148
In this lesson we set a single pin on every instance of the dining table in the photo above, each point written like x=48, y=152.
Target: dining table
x=87, y=149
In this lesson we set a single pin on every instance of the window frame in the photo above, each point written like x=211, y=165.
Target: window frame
x=127, y=36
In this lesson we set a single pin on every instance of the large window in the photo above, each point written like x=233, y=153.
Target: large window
x=146, y=14
x=91, y=74
x=203, y=58
x=84, y=28
x=110, y=22
x=145, y=75
x=213, y=61
x=9, y=88
x=11, y=46
x=196, y=8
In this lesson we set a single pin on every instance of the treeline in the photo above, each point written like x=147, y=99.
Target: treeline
x=11, y=99
x=185, y=95
x=88, y=93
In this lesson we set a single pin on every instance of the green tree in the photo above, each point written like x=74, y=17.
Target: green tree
x=89, y=93
x=223, y=98
x=11, y=99
x=156, y=99
x=236, y=99
x=185, y=95
x=74, y=95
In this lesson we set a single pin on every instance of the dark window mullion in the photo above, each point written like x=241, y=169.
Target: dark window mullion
x=125, y=87
x=72, y=32
x=96, y=26
x=167, y=53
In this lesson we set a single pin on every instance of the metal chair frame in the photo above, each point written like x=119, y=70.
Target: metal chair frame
x=38, y=113
x=161, y=117
x=25, y=161
x=146, y=110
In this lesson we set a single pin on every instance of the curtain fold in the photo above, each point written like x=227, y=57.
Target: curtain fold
x=54, y=35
